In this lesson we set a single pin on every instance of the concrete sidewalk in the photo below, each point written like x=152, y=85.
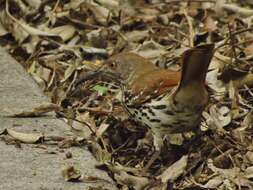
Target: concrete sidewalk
x=30, y=167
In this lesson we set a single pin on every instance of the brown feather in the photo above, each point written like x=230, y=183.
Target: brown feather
x=144, y=80
x=192, y=88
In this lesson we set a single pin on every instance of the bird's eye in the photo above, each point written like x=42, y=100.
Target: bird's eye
x=113, y=64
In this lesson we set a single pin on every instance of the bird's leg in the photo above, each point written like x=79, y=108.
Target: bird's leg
x=158, y=143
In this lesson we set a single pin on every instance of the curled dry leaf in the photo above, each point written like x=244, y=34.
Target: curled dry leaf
x=101, y=154
x=118, y=167
x=249, y=49
x=69, y=142
x=219, y=7
x=249, y=172
x=239, y=10
x=249, y=156
x=25, y=137
x=29, y=29
x=214, y=182
x=69, y=72
x=102, y=128
x=100, y=13
x=110, y=4
x=3, y=31
x=70, y=173
x=233, y=176
x=19, y=33
x=136, y=36
x=215, y=84
x=245, y=80
x=34, y=3
x=93, y=50
x=2, y=131
x=80, y=130
x=218, y=117
x=174, y=171
x=85, y=117
x=151, y=49
x=247, y=121
x=138, y=183
x=65, y=32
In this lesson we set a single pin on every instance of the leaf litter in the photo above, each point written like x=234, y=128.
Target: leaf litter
x=61, y=42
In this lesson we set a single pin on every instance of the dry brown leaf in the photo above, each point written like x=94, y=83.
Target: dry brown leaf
x=25, y=137
x=111, y=4
x=249, y=172
x=70, y=173
x=150, y=50
x=69, y=72
x=247, y=121
x=239, y=10
x=214, y=183
x=218, y=7
x=135, y=36
x=233, y=176
x=34, y=3
x=217, y=85
x=245, y=80
x=139, y=183
x=102, y=128
x=100, y=13
x=3, y=31
x=249, y=156
x=101, y=154
x=29, y=29
x=69, y=142
x=85, y=117
x=218, y=117
x=174, y=171
x=249, y=50
x=65, y=32
x=38, y=111
x=80, y=130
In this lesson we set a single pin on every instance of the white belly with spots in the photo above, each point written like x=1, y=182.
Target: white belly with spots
x=167, y=119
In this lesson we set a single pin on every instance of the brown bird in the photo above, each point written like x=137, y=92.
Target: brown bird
x=166, y=101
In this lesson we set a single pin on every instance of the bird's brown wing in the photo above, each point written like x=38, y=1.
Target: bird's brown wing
x=151, y=85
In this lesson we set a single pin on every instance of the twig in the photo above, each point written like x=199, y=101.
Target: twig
x=95, y=109
x=242, y=31
x=225, y=41
x=61, y=114
x=179, y=1
x=191, y=32
x=53, y=12
x=232, y=40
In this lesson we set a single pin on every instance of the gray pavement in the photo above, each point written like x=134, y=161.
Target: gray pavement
x=33, y=167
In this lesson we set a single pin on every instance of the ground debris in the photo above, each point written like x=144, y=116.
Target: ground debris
x=62, y=44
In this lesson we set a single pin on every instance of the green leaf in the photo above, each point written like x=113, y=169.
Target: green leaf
x=100, y=89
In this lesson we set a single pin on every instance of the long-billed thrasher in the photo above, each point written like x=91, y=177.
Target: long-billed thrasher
x=166, y=101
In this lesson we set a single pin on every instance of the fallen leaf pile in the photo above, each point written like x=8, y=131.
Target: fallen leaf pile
x=59, y=42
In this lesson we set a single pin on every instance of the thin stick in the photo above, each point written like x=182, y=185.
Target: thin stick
x=189, y=1
x=191, y=31
x=74, y=119
x=233, y=34
x=232, y=40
